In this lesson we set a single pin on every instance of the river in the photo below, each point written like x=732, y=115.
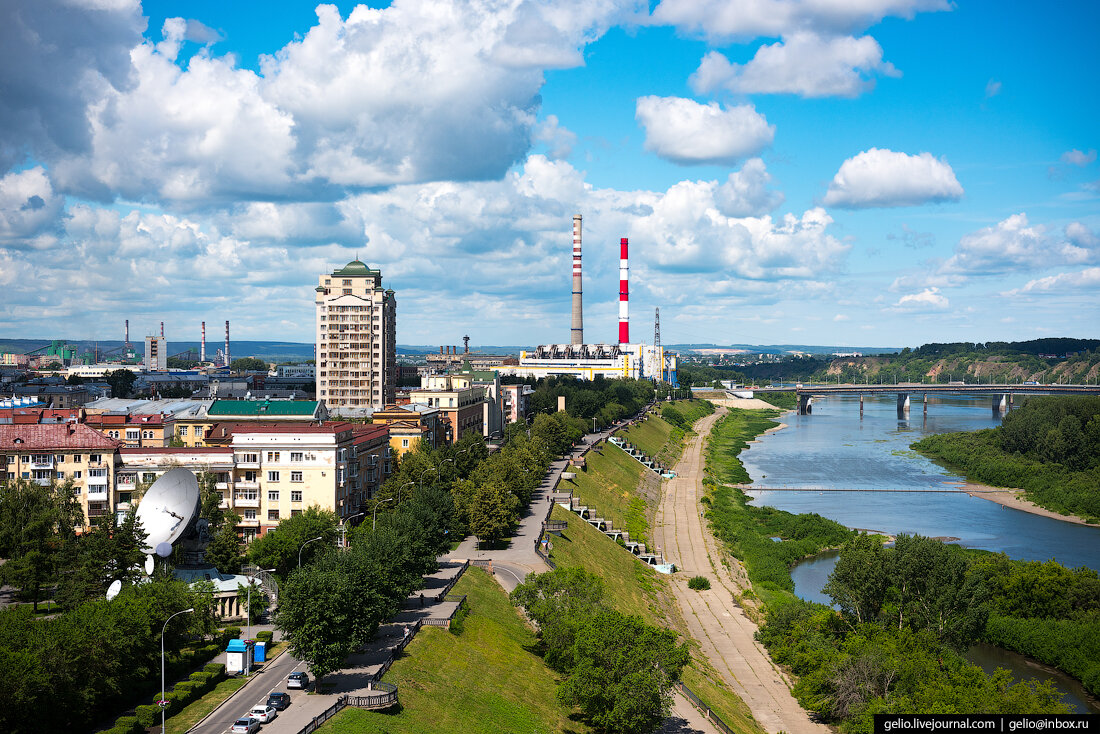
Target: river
x=835, y=448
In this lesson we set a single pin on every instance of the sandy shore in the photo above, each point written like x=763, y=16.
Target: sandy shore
x=1012, y=498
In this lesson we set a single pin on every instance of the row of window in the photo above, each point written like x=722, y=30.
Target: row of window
x=134, y=435
x=47, y=458
x=272, y=495
x=271, y=514
x=273, y=476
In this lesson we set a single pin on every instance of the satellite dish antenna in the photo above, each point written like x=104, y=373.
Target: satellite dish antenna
x=148, y=565
x=113, y=589
x=168, y=508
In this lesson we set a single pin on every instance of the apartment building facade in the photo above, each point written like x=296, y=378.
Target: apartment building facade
x=60, y=453
x=356, y=333
x=461, y=403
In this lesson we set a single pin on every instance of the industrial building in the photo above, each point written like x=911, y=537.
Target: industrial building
x=356, y=334
x=587, y=361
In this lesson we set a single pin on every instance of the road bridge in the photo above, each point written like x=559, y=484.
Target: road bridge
x=1001, y=395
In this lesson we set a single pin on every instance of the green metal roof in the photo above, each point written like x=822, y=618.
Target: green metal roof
x=263, y=407
x=355, y=267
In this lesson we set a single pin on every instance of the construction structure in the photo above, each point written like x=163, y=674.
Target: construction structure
x=356, y=350
x=156, y=352
x=588, y=361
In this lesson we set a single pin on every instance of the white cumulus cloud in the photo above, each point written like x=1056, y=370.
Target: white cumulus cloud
x=745, y=193
x=721, y=20
x=29, y=208
x=803, y=63
x=1084, y=280
x=927, y=300
x=1079, y=158
x=884, y=178
x=1014, y=244
x=687, y=132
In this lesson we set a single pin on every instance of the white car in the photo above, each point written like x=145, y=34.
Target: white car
x=263, y=713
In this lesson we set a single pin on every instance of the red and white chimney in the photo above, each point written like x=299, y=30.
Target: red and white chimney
x=202, y=344
x=227, y=343
x=576, y=331
x=624, y=293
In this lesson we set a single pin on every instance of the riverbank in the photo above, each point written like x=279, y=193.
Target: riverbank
x=1012, y=498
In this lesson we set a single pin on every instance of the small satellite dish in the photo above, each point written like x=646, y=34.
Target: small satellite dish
x=148, y=565
x=164, y=549
x=113, y=589
x=168, y=508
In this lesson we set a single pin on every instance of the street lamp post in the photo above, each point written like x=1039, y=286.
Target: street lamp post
x=343, y=528
x=162, y=629
x=423, y=473
x=303, y=548
x=248, y=600
x=374, y=519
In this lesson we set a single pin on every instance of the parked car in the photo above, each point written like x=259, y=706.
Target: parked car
x=297, y=680
x=263, y=713
x=278, y=701
x=245, y=726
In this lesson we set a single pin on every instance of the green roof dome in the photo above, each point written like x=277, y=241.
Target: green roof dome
x=355, y=267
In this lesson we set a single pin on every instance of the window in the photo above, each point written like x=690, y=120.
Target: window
x=295, y=513
x=60, y=459
x=273, y=476
x=183, y=430
x=272, y=455
x=273, y=495
x=250, y=476
x=146, y=434
x=100, y=473
x=131, y=434
x=77, y=474
x=295, y=495
x=404, y=443
x=249, y=514
x=95, y=457
x=59, y=475
x=273, y=515
x=148, y=477
x=296, y=456
x=249, y=458
x=296, y=476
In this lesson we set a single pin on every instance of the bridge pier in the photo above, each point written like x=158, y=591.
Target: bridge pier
x=1000, y=404
x=805, y=404
x=924, y=402
x=861, y=405
x=903, y=405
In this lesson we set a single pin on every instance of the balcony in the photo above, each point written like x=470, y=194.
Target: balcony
x=97, y=494
x=100, y=464
x=41, y=482
x=247, y=460
x=42, y=464
x=221, y=485
x=249, y=523
x=98, y=512
x=243, y=501
x=245, y=484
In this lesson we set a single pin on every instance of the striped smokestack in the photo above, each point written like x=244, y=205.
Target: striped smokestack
x=227, y=343
x=127, y=332
x=162, y=328
x=202, y=344
x=576, y=332
x=624, y=293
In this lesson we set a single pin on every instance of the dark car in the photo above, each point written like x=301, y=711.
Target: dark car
x=297, y=680
x=278, y=701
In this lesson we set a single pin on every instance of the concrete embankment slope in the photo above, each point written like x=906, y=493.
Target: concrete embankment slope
x=714, y=619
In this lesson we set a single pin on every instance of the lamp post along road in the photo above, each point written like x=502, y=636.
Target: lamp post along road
x=343, y=528
x=162, y=629
x=374, y=519
x=248, y=602
x=319, y=537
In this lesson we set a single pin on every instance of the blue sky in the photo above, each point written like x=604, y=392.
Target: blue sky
x=863, y=172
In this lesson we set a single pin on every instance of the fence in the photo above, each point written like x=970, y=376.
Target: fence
x=386, y=697
x=450, y=584
x=698, y=703
x=435, y=622
x=324, y=716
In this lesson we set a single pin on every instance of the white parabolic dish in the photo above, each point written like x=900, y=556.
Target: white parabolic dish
x=168, y=507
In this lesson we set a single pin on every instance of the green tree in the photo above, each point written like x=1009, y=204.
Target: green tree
x=280, y=548
x=491, y=511
x=560, y=602
x=858, y=582
x=254, y=601
x=121, y=382
x=248, y=364
x=37, y=528
x=623, y=673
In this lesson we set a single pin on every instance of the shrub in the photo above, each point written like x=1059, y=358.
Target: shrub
x=230, y=633
x=127, y=725
x=265, y=635
x=147, y=716
x=699, y=583
x=218, y=669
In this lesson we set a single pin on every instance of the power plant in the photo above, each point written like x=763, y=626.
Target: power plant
x=586, y=361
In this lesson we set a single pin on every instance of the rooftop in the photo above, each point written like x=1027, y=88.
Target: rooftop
x=302, y=408
x=53, y=436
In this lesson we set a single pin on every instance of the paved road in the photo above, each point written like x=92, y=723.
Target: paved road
x=714, y=619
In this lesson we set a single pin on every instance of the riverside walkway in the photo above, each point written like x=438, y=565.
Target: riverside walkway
x=725, y=634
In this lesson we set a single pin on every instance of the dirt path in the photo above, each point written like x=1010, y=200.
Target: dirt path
x=713, y=618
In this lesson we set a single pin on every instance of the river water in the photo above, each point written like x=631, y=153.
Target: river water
x=835, y=448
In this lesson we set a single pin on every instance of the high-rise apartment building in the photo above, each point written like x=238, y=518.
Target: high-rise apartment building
x=356, y=349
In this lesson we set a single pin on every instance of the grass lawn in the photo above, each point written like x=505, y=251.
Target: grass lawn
x=610, y=485
x=731, y=434
x=484, y=680
x=194, y=712
x=660, y=439
x=635, y=588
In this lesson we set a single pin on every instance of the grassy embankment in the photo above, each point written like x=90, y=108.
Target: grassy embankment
x=783, y=400
x=659, y=439
x=634, y=588
x=483, y=680
x=748, y=530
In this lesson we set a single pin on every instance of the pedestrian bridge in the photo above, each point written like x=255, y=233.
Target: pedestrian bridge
x=1001, y=395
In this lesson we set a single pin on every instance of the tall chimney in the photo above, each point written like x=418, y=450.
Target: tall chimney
x=576, y=331
x=227, y=343
x=127, y=332
x=624, y=293
x=202, y=344
x=162, y=328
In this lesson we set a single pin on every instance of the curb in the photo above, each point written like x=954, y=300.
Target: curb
x=233, y=695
